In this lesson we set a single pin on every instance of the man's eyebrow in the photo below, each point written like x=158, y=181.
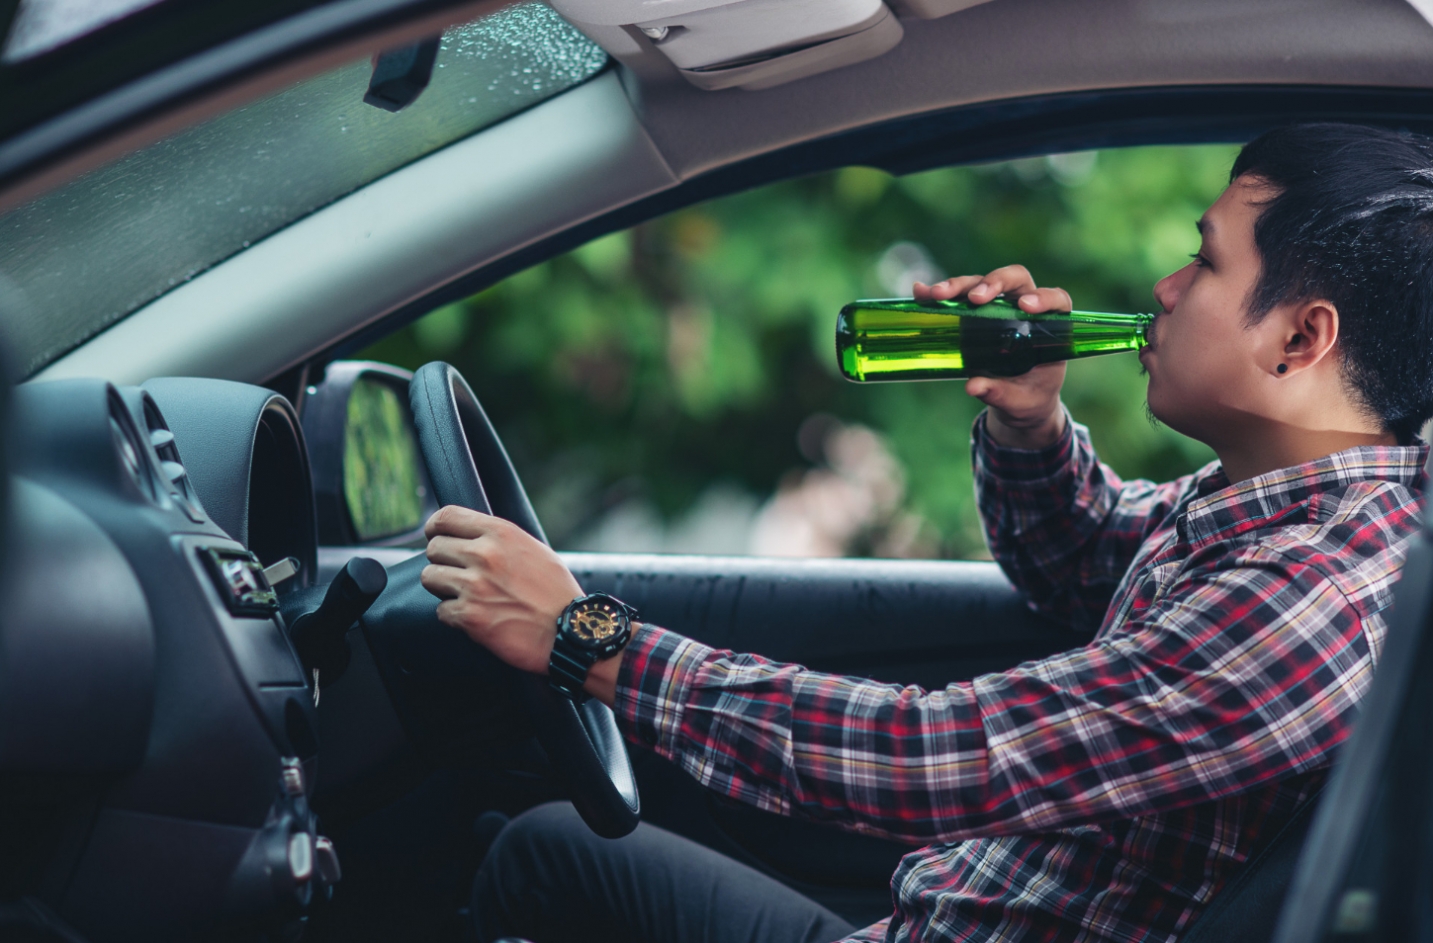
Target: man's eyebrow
x=1204, y=226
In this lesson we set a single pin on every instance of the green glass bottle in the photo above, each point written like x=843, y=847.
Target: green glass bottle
x=903, y=339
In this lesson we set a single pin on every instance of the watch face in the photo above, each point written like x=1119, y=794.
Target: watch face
x=596, y=621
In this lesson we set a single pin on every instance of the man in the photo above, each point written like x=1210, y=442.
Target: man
x=1109, y=792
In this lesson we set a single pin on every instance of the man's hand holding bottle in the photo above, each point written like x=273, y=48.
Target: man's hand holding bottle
x=1025, y=411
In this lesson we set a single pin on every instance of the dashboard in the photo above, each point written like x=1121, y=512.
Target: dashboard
x=174, y=651
x=150, y=696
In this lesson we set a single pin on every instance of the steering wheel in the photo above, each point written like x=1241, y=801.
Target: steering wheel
x=468, y=466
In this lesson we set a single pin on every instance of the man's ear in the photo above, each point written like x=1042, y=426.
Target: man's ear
x=1309, y=331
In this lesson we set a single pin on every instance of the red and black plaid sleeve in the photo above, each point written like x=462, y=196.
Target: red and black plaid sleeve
x=1061, y=524
x=1236, y=676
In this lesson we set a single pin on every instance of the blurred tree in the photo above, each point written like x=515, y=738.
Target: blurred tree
x=687, y=352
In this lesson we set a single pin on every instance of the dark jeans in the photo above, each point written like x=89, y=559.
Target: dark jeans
x=548, y=879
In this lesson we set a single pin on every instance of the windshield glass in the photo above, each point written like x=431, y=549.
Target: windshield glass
x=83, y=256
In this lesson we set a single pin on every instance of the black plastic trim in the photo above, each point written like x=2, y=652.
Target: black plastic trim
x=77, y=647
x=243, y=441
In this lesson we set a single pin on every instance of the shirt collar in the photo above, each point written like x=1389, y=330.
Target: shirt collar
x=1219, y=508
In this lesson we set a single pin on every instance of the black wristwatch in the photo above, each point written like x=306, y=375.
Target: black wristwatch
x=590, y=629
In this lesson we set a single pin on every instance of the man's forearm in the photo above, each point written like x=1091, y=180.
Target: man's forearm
x=760, y=732
x=994, y=755
x=1046, y=506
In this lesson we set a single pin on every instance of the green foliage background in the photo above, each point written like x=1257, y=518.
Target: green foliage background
x=688, y=350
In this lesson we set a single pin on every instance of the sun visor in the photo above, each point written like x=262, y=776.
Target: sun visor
x=750, y=44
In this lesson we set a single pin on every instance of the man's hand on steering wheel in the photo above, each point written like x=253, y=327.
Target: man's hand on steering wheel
x=502, y=587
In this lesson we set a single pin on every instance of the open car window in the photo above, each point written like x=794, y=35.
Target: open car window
x=87, y=254
x=673, y=387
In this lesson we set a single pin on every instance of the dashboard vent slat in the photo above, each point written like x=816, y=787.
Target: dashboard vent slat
x=168, y=451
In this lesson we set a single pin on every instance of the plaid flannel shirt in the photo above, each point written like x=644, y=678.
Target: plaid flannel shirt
x=1108, y=792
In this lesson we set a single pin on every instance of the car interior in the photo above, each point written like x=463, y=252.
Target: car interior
x=228, y=710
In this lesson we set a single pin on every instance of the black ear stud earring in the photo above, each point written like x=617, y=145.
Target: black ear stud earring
x=1283, y=368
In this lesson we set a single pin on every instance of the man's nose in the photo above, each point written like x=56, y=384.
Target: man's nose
x=1167, y=289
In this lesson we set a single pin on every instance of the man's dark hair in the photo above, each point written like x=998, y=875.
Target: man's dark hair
x=1351, y=222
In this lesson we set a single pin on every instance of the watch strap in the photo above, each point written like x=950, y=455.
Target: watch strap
x=567, y=668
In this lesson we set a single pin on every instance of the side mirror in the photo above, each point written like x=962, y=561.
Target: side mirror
x=370, y=486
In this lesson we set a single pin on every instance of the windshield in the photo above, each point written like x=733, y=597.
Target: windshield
x=85, y=255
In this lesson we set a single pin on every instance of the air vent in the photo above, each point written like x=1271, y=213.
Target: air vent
x=180, y=487
x=134, y=467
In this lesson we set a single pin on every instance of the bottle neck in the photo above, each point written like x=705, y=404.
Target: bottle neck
x=1139, y=321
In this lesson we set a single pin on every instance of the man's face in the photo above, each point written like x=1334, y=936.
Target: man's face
x=1201, y=374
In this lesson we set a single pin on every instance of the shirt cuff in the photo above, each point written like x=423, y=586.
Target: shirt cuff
x=653, y=682
x=1033, y=466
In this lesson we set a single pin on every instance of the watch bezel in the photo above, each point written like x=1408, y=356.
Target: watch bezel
x=605, y=647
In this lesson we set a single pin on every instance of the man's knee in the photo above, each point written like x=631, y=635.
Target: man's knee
x=537, y=836
x=534, y=859
x=526, y=852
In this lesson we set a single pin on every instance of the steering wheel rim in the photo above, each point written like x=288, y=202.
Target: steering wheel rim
x=468, y=466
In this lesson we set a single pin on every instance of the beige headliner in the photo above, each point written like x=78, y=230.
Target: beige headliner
x=621, y=138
